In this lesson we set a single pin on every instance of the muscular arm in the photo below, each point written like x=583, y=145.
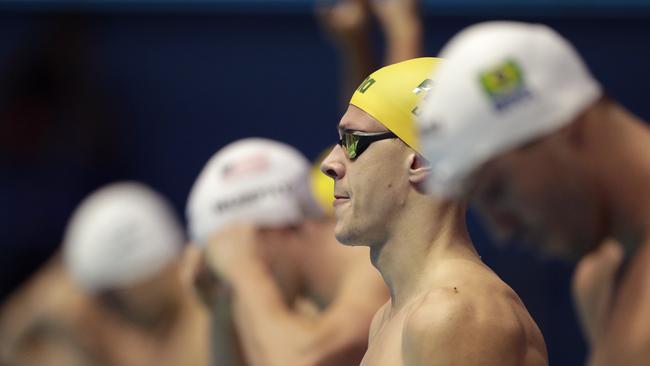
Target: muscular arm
x=402, y=25
x=271, y=332
x=346, y=22
x=273, y=335
x=36, y=324
x=48, y=342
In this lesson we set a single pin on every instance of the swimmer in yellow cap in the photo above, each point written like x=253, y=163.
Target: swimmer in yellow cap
x=446, y=307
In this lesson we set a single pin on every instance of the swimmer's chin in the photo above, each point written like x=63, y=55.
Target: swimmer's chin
x=347, y=240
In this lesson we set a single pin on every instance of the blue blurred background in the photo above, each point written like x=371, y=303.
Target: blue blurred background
x=96, y=91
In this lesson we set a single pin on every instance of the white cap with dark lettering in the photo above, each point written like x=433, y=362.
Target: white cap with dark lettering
x=255, y=180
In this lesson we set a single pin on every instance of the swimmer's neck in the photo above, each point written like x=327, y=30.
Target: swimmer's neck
x=157, y=326
x=411, y=254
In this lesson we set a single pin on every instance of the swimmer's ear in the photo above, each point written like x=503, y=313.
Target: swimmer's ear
x=419, y=169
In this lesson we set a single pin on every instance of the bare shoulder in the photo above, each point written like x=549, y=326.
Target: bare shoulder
x=462, y=327
x=454, y=310
x=475, y=323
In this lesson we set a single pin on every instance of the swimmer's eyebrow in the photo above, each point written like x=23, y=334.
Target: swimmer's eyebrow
x=343, y=129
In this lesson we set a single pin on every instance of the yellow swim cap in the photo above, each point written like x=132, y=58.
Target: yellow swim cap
x=391, y=95
x=322, y=186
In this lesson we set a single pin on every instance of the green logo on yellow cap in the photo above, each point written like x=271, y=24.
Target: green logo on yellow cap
x=366, y=85
x=504, y=84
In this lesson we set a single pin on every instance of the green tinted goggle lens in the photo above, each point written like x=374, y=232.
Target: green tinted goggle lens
x=354, y=143
x=351, y=144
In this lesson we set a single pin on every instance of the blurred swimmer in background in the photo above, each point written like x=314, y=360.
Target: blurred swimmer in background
x=348, y=26
x=517, y=123
x=116, y=295
x=294, y=294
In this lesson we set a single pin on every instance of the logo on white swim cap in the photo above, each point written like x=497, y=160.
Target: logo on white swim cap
x=502, y=84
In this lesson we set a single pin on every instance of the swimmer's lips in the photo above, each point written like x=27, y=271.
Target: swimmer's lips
x=340, y=199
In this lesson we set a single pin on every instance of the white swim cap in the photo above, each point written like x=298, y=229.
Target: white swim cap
x=255, y=180
x=502, y=85
x=119, y=235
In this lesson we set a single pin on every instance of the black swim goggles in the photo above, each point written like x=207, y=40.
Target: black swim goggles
x=356, y=142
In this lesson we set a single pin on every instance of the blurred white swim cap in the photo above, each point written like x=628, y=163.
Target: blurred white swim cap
x=120, y=234
x=254, y=180
x=502, y=84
